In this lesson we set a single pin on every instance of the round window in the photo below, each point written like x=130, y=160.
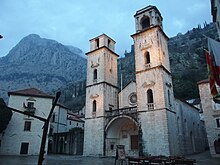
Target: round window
x=133, y=98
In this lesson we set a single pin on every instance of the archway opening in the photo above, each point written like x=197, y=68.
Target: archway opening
x=217, y=146
x=145, y=23
x=122, y=131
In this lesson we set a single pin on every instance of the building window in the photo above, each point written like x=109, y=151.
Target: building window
x=53, y=117
x=30, y=105
x=94, y=106
x=95, y=75
x=70, y=122
x=145, y=23
x=218, y=123
x=97, y=42
x=215, y=106
x=134, y=142
x=147, y=58
x=217, y=146
x=150, y=100
x=27, y=125
x=77, y=124
x=109, y=41
x=83, y=125
x=112, y=146
x=24, y=148
x=168, y=93
x=51, y=132
x=132, y=98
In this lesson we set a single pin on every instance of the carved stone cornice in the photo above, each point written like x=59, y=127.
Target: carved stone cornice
x=94, y=96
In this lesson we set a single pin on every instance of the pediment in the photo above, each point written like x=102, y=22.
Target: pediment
x=148, y=84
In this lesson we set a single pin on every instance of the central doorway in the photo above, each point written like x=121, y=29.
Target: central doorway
x=122, y=131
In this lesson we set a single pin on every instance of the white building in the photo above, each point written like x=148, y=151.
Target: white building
x=211, y=111
x=66, y=132
x=23, y=134
x=144, y=117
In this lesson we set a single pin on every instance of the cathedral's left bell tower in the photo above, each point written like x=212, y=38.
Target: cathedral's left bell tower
x=101, y=92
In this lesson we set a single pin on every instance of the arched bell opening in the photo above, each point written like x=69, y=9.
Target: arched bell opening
x=145, y=22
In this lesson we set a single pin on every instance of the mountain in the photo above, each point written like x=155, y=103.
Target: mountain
x=187, y=59
x=41, y=63
x=49, y=65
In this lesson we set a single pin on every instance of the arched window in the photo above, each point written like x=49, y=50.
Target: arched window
x=147, y=58
x=150, y=96
x=97, y=43
x=94, y=106
x=95, y=74
x=150, y=100
x=145, y=23
x=217, y=146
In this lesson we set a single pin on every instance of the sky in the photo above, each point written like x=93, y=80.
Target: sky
x=75, y=22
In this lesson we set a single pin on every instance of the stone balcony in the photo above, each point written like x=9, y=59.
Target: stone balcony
x=130, y=111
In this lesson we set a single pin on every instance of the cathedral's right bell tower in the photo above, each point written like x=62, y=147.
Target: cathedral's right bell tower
x=155, y=99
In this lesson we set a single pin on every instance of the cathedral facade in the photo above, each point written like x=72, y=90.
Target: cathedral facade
x=145, y=116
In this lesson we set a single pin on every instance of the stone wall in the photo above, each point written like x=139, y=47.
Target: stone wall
x=211, y=113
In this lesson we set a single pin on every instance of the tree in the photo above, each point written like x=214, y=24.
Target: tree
x=5, y=115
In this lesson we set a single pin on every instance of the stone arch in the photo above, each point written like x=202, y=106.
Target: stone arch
x=122, y=130
x=118, y=117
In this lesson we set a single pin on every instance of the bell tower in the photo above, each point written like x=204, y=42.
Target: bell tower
x=101, y=92
x=155, y=99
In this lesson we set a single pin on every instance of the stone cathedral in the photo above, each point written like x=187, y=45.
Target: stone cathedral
x=144, y=116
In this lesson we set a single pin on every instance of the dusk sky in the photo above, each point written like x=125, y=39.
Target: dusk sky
x=75, y=22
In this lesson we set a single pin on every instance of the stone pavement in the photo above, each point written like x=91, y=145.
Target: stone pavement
x=202, y=159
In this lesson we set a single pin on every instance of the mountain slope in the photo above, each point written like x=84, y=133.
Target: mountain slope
x=41, y=63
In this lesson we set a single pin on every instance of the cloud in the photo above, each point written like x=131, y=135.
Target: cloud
x=75, y=22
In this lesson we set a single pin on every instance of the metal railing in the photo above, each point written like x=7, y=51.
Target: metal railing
x=150, y=106
x=30, y=110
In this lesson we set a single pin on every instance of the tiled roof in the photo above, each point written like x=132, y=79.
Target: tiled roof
x=30, y=92
x=203, y=81
x=73, y=116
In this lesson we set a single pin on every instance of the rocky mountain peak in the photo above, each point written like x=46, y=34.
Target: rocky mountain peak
x=41, y=63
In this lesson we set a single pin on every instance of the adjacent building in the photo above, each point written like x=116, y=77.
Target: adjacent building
x=24, y=133
x=211, y=111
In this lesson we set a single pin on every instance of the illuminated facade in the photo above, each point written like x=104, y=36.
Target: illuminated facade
x=144, y=116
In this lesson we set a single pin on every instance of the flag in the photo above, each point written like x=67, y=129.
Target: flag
x=211, y=74
x=214, y=52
